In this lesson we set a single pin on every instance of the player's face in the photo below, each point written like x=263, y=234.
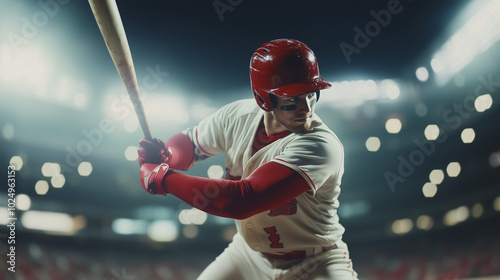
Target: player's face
x=294, y=113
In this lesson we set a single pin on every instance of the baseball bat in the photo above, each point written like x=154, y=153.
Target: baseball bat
x=110, y=24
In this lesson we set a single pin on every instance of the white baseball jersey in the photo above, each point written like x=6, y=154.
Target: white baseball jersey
x=307, y=222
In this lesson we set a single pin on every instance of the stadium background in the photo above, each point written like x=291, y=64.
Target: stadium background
x=415, y=102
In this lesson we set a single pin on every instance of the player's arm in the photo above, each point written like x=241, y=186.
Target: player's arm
x=269, y=186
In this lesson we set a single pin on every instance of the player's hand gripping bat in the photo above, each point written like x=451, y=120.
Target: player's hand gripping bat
x=109, y=21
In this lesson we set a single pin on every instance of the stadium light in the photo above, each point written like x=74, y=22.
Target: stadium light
x=456, y=216
x=163, y=231
x=23, y=202
x=453, y=169
x=422, y=74
x=50, y=222
x=129, y=226
x=468, y=135
x=475, y=36
x=372, y=144
x=429, y=189
x=355, y=93
x=393, y=125
x=16, y=161
x=402, y=226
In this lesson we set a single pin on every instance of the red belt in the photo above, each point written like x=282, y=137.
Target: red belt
x=299, y=254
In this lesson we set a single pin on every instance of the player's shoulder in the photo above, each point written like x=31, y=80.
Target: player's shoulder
x=321, y=133
x=239, y=108
x=246, y=105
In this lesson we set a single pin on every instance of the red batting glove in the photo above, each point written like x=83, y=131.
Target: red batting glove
x=153, y=151
x=151, y=176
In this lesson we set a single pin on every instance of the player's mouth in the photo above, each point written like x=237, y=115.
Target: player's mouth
x=302, y=119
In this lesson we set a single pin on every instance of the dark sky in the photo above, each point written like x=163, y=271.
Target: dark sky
x=212, y=55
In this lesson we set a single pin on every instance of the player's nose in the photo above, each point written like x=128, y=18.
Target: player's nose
x=304, y=105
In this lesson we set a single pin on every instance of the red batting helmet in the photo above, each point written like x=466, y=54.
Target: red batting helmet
x=284, y=67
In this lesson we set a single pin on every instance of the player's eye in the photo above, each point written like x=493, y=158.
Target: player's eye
x=292, y=99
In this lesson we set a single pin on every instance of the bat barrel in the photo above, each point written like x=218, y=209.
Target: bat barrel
x=110, y=24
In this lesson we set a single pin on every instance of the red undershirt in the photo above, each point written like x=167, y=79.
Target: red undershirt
x=261, y=139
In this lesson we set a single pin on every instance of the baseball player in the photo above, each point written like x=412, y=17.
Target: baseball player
x=283, y=173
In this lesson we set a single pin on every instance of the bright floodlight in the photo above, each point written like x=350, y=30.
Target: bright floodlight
x=468, y=135
x=50, y=169
x=80, y=100
x=23, y=202
x=393, y=125
x=41, y=187
x=84, y=168
x=437, y=65
x=25, y=67
x=8, y=131
x=177, y=110
x=17, y=162
x=192, y=216
x=372, y=144
x=131, y=124
x=129, y=226
x=456, y=216
x=163, y=231
x=53, y=222
x=475, y=36
x=429, y=190
x=436, y=176
x=390, y=88
x=131, y=153
x=453, y=169
x=425, y=222
x=215, y=172
x=422, y=74
x=402, y=226
x=483, y=102
x=58, y=181
x=431, y=132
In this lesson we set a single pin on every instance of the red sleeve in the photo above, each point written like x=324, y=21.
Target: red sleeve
x=268, y=187
x=181, y=152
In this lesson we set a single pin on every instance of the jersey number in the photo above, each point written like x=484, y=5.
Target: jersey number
x=273, y=237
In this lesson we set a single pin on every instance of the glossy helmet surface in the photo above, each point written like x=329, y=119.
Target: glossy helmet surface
x=284, y=67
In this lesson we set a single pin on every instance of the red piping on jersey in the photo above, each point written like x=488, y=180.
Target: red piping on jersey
x=198, y=143
x=303, y=172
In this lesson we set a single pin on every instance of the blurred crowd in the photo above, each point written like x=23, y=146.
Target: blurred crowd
x=419, y=260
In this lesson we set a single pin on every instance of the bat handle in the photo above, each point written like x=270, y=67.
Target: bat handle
x=140, y=113
x=145, y=129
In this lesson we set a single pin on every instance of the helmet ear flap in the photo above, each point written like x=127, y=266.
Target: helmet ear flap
x=263, y=103
x=259, y=99
x=274, y=102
